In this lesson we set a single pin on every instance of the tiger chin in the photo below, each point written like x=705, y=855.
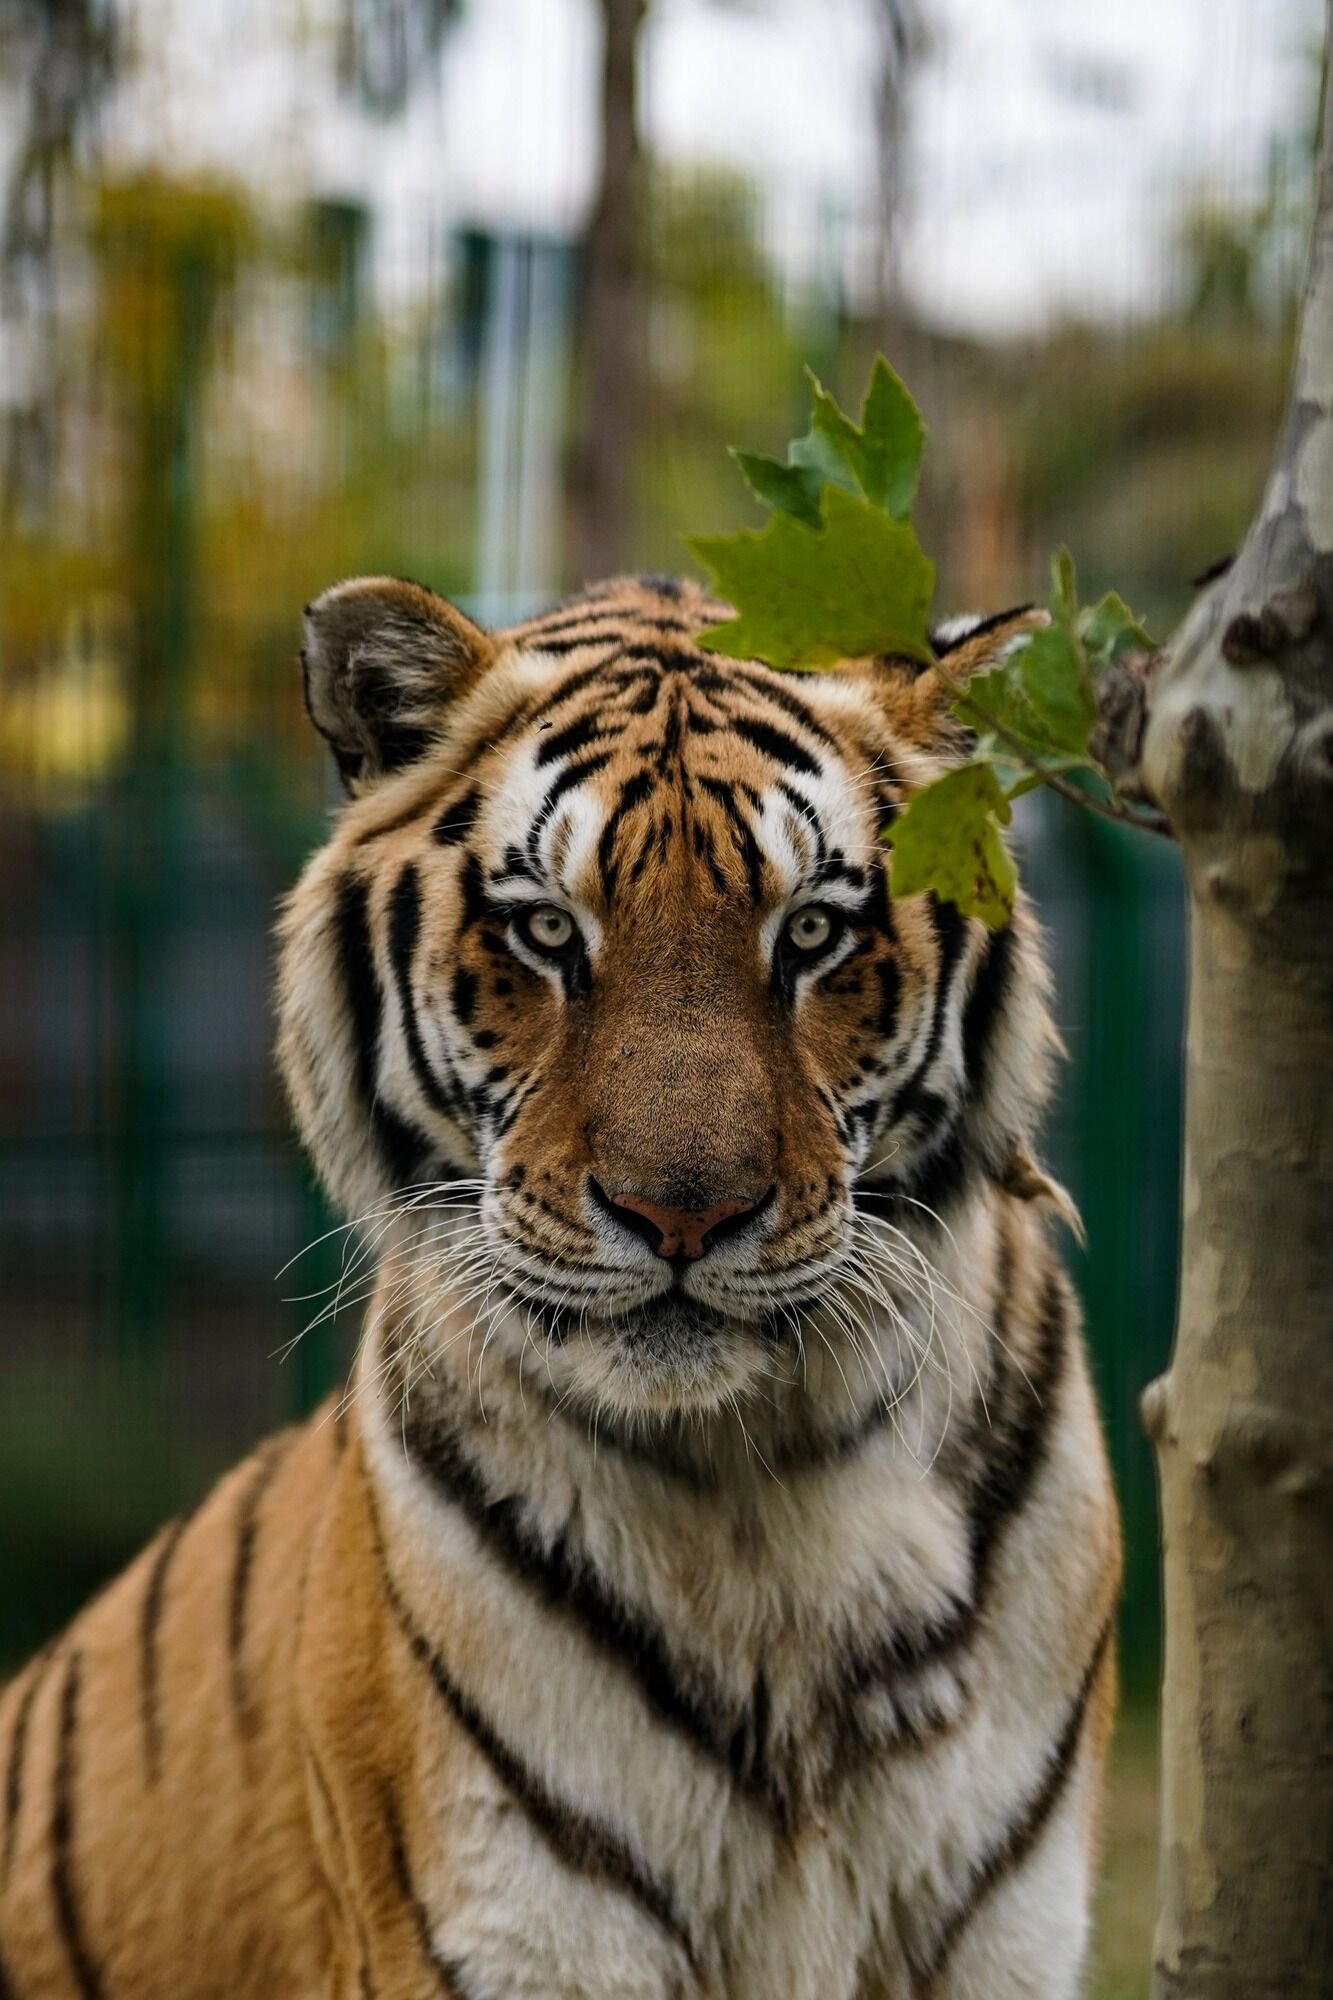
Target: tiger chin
x=706, y=1584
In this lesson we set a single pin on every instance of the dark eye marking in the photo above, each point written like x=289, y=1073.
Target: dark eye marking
x=836, y=868
x=464, y=995
x=515, y=863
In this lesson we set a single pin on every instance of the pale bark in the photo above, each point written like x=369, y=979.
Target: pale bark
x=1230, y=733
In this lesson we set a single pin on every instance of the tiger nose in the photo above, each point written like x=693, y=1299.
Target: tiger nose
x=683, y=1234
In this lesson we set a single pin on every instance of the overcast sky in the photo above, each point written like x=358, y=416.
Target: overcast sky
x=1050, y=149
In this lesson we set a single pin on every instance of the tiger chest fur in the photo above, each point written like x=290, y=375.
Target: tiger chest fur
x=706, y=1586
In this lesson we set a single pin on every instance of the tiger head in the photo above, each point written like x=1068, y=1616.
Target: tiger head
x=600, y=966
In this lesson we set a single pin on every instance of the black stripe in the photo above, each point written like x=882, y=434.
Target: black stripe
x=985, y=1003
x=1019, y=1838
x=150, y=1621
x=575, y=642
x=580, y=1843
x=934, y=1180
x=401, y=1148
x=18, y=1744
x=567, y=689
x=395, y=824
x=632, y=793
x=568, y=618
x=586, y=729
x=807, y=817
x=661, y=583
x=64, y=1890
x=977, y=630
x=447, y=1970
x=912, y=1098
x=265, y=1470
x=839, y=869
x=747, y=847
x=776, y=743
x=1016, y=1439
x=404, y=930
x=457, y=821
x=564, y=1581
x=573, y=774
x=464, y=995
x=8, y=1989
x=1011, y=1440
x=760, y=684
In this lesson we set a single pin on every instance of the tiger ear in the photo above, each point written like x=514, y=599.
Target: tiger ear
x=963, y=647
x=381, y=661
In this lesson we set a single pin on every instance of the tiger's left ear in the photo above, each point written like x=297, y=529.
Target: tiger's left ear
x=382, y=659
x=964, y=647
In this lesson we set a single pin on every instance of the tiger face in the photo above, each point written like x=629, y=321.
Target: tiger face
x=602, y=956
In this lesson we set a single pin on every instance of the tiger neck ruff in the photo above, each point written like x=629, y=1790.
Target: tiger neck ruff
x=706, y=1586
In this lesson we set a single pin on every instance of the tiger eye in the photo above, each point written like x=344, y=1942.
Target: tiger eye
x=549, y=927
x=809, y=929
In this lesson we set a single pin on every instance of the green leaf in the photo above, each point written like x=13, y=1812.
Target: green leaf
x=806, y=597
x=833, y=445
x=1109, y=630
x=948, y=839
x=1056, y=684
x=882, y=459
x=1064, y=602
x=791, y=489
x=895, y=440
x=995, y=702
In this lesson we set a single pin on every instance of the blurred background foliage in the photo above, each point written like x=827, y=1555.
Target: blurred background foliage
x=230, y=373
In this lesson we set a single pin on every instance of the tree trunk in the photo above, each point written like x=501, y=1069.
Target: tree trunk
x=1230, y=733
x=612, y=307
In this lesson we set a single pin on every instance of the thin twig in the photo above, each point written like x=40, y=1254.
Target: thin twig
x=1120, y=815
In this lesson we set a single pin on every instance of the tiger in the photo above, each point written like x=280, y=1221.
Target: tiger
x=705, y=1584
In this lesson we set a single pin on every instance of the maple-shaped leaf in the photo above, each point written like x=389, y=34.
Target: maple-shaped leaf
x=881, y=459
x=948, y=839
x=788, y=489
x=807, y=597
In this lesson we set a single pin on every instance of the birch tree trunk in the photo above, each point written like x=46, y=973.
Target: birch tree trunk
x=1230, y=733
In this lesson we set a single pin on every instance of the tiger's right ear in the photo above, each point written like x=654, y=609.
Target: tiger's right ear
x=382, y=660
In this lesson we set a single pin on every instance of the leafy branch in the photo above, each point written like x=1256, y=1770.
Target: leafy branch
x=838, y=573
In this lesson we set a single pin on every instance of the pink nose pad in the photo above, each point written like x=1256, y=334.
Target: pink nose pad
x=683, y=1232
